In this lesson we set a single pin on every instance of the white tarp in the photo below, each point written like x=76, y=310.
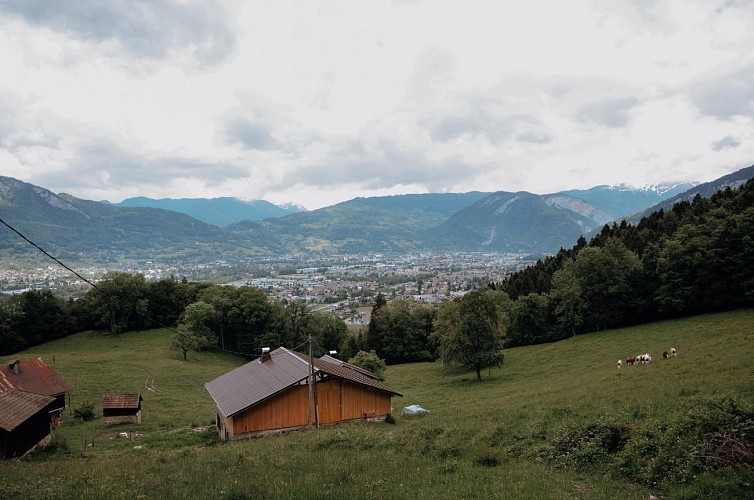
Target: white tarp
x=414, y=410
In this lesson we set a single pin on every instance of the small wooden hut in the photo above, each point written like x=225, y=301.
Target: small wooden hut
x=122, y=408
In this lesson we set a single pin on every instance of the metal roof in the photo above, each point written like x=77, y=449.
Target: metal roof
x=339, y=362
x=121, y=401
x=17, y=406
x=34, y=375
x=256, y=381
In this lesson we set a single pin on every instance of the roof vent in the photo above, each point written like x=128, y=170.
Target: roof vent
x=265, y=354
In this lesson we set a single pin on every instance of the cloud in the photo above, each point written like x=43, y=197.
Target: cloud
x=726, y=96
x=727, y=142
x=613, y=113
x=250, y=135
x=20, y=133
x=534, y=136
x=147, y=29
x=103, y=166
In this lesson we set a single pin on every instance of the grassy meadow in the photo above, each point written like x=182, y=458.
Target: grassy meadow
x=555, y=421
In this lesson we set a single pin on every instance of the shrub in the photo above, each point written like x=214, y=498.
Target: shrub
x=369, y=361
x=85, y=412
x=712, y=435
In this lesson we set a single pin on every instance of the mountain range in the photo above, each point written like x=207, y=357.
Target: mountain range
x=216, y=211
x=518, y=222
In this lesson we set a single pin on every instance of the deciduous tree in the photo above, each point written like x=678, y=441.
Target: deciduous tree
x=470, y=331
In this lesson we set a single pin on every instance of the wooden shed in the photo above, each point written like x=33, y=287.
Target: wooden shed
x=122, y=408
x=271, y=394
x=24, y=422
x=35, y=376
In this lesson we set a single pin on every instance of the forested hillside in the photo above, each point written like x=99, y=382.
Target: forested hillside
x=696, y=257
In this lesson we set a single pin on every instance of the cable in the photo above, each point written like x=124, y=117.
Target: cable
x=48, y=255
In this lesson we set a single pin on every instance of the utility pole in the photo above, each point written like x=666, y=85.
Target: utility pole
x=311, y=383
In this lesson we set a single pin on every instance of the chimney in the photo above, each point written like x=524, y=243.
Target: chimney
x=265, y=354
x=14, y=365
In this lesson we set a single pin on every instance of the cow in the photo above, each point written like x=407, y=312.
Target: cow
x=673, y=352
x=644, y=358
x=619, y=363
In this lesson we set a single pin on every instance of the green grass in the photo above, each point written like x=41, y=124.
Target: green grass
x=534, y=428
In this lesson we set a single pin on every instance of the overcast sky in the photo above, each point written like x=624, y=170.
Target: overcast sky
x=316, y=102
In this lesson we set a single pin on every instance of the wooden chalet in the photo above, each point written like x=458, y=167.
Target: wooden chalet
x=35, y=376
x=271, y=394
x=122, y=408
x=24, y=422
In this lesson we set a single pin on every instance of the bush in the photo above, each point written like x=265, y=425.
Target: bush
x=57, y=444
x=85, y=412
x=713, y=435
x=369, y=361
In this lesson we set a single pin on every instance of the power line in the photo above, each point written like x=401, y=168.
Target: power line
x=49, y=255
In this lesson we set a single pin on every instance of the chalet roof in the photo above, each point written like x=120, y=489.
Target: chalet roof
x=256, y=381
x=339, y=362
x=34, y=375
x=17, y=406
x=122, y=401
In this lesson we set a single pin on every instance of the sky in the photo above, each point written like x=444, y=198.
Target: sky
x=316, y=102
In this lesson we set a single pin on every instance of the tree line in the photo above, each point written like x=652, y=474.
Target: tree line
x=202, y=316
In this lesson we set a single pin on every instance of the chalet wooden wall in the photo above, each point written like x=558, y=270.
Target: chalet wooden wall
x=359, y=401
x=289, y=409
x=328, y=399
x=337, y=401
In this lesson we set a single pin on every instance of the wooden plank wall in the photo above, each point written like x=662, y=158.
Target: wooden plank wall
x=289, y=409
x=337, y=401
x=329, y=395
x=358, y=401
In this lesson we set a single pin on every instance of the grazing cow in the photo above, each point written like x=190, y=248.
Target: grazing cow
x=665, y=355
x=619, y=363
x=631, y=361
x=643, y=358
x=673, y=352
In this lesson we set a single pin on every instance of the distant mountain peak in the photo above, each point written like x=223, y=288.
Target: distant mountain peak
x=292, y=207
x=661, y=188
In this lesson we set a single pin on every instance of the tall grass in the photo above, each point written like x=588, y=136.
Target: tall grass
x=555, y=421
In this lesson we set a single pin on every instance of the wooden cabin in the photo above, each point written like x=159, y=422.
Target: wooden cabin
x=35, y=376
x=122, y=408
x=24, y=422
x=271, y=394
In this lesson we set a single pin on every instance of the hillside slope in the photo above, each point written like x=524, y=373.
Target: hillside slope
x=540, y=426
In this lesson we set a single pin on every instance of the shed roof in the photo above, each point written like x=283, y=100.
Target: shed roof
x=256, y=381
x=132, y=401
x=17, y=406
x=34, y=375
